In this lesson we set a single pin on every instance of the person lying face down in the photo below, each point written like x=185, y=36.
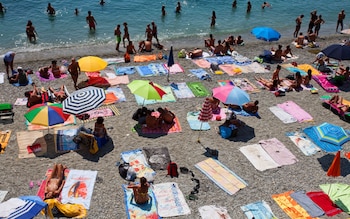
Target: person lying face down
x=166, y=116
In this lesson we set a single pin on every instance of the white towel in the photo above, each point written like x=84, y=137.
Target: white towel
x=213, y=212
x=282, y=115
x=2, y=77
x=9, y=206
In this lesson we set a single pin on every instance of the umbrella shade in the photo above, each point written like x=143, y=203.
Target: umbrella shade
x=332, y=134
x=337, y=51
x=92, y=64
x=84, y=100
x=334, y=169
x=30, y=209
x=266, y=34
x=146, y=89
x=231, y=95
x=47, y=114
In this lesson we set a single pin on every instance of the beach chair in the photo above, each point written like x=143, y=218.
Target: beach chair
x=6, y=111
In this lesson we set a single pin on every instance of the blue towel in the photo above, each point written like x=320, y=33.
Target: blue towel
x=244, y=113
x=304, y=201
x=258, y=210
x=294, y=70
x=30, y=81
x=220, y=60
x=144, y=71
x=200, y=73
x=124, y=70
x=195, y=124
x=311, y=133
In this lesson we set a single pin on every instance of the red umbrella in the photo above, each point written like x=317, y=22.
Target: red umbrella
x=334, y=169
x=205, y=114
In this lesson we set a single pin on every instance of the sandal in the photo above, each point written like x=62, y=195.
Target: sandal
x=192, y=197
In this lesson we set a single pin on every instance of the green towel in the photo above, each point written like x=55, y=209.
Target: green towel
x=5, y=106
x=198, y=89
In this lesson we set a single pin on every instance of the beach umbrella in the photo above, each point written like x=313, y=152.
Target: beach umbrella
x=334, y=169
x=29, y=207
x=339, y=193
x=84, y=100
x=170, y=61
x=332, y=134
x=337, y=51
x=229, y=94
x=46, y=114
x=92, y=64
x=146, y=89
x=205, y=114
x=266, y=34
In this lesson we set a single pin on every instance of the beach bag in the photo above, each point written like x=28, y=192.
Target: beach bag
x=214, y=66
x=172, y=170
x=93, y=147
x=181, y=53
x=225, y=132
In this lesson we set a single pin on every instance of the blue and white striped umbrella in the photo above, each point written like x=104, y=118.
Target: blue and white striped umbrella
x=84, y=100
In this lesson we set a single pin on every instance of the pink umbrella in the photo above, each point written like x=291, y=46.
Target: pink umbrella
x=205, y=114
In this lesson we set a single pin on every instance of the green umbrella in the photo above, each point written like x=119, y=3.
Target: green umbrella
x=146, y=89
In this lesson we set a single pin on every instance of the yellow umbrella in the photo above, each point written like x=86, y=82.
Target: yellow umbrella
x=92, y=64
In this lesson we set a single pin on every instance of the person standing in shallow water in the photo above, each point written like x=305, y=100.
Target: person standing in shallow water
x=249, y=7
x=178, y=7
x=213, y=19
x=91, y=21
x=234, y=4
x=118, y=38
x=30, y=31
x=163, y=10
x=341, y=17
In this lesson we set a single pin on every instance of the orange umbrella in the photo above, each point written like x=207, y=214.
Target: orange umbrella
x=334, y=169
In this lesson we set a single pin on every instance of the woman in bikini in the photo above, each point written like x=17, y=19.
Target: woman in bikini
x=140, y=191
x=55, y=182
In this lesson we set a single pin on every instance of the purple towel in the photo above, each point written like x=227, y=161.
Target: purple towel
x=296, y=111
x=278, y=152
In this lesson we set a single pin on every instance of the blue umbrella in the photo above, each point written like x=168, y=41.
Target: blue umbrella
x=332, y=134
x=337, y=51
x=231, y=95
x=266, y=34
x=170, y=61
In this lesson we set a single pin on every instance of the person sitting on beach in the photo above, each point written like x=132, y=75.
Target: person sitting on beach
x=152, y=121
x=276, y=73
x=227, y=49
x=219, y=49
x=166, y=116
x=338, y=101
x=307, y=78
x=34, y=96
x=311, y=37
x=239, y=41
x=130, y=48
x=230, y=40
x=145, y=46
x=99, y=129
x=287, y=53
x=60, y=94
x=215, y=105
x=44, y=72
x=277, y=56
x=300, y=40
x=196, y=53
x=140, y=115
x=140, y=191
x=55, y=182
x=296, y=84
x=322, y=67
x=55, y=69
x=21, y=77
x=50, y=10
x=210, y=41
x=251, y=107
x=272, y=85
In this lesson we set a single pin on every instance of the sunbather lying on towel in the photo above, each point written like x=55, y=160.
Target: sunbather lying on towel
x=338, y=101
x=34, y=96
x=251, y=107
x=272, y=85
x=60, y=94
x=140, y=191
x=55, y=182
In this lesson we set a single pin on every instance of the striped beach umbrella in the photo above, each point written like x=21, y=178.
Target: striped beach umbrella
x=84, y=100
x=205, y=114
x=331, y=133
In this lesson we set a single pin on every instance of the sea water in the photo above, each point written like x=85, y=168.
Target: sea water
x=185, y=29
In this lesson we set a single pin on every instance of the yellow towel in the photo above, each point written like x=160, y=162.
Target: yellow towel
x=306, y=67
x=4, y=139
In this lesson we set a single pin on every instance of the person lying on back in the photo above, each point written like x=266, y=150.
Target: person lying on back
x=251, y=107
x=166, y=116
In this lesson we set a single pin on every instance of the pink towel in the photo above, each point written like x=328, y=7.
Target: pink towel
x=202, y=63
x=124, y=79
x=176, y=68
x=325, y=84
x=278, y=152
x=296, y=111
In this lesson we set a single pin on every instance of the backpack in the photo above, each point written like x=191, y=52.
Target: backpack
x=172, y=170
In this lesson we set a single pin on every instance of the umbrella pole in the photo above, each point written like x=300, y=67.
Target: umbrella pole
x=200, y=129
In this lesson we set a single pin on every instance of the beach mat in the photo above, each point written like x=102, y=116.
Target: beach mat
x=4, y=139
x=157, y=157
x=213, y=212
x=175, y=68
x=70, y=121
x=31, y=138
x=137, y=159
x=202, y=63
x=260, y=159
x=79, y=187
x=258, y=210
x=164, y=128
x=51, y=77
x=182, y=90
x=325, y=146
x=167, y=98
x=21, y=101
x=290, y=206
x=303, y=143
x=30, y=81
x=325, y=83
x=304, y=201
x=134, y=211
x=195, y=124
x=245, y=85
x=118, y=92
x=128, y=70
x=221, y=175
x=144, y=71
x=103, y=111
x=324, y=202
x=170, y=200
x=306, y=67
x=198, y=89
x=258, y=68
x=113, y=81
x=63, y=139
x=278, y=151
x=296, y=111
x=111, y=98
x=145, y=58
x=230, y=69
x=219, y=114
x=285, y=117
x=220, y=60
x=200, y=73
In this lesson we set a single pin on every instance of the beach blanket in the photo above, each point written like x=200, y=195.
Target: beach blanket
x=294, y=70
x=93, y=74
x=325, y=146
x=182, y=90
x=123, y=79
x=245, y=85
x=260, y=159
x=325, y=83
x=239, y=59
x=213, y=212
x=41, y=189
x=138, y=161
x=144, y=71
x=158, y=69
x=195, y=124
x=103, y=111
x=167, y=98
x=304, y=201
x=198, y=89
x=219, y=60
x=112, y=61
x=4, y=139
x=2, y=77
x=118, y=92
x=175, y=68
x=2, y=195
x=221, y=175
x=136, y=211
x=296, y=111
x=157, y=157
x=124, y=70
x=70, y=121
x=257, y=68
x=202, y=63
x=170, y=200
x=21, y=101
x=225, y=82
x=278, y=151
x=31, y=144
x=324, y=202
x=164, y=128
x=230, y=69
x=64, y=139
x=145, y=58
x=79, y=187
x=200, y=73
x=219, y=114
x=282, y=115
x=258, y=210
x=30, y=81
x=290, y=206
x=303, y=143
x=339, y=193
x=306, y=67
x=111, y=98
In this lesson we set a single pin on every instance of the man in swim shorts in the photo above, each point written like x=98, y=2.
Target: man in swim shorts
x=118, y=38
x=91, y=21
x=8, y=61
x=341, y=17
x=298, y=22
x=74, y=70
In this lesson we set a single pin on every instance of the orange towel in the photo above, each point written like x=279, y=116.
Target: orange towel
x=110, y=98
x=145, y=58
x=4, y=139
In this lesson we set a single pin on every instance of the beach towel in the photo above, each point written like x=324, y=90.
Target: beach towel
x=21, y=101
x=2, y=195
x=164, y=128
x=325, y=83
x=79, y=187
x=325, y=146
x=158, y=69
x=306, y=67
x=260, y=159
x=167, y=98
x=10, y=206
x=324, y=202
x=294, y=70
x=136, y=211
x=290, y=206
x=71, y=120
x=198, y=89
x=304, y=201
x=202, y=63
x=200, y=73
x=245, y=85
x=145, y=58
x=242, y=112
x=339, y=193
x=157, y=157
x=278, y=151
x=64, y=139
x=30, y=81
x=4, y=139
x=230, y=69
x=219, y=60
x=296, y=111
x=145, y=71
x=41, y=189
x=225, y=82
x=138, y=161
x=123, y=79
x=111, y=98
x=239, y=59
x=103, y=111
x=124, y=70
x=112, y=61
x=182, y=90
x=258, y=210
x=51, y=77
x=303, y=143
x=195, y=124
x=282, y=115
x=2, y=77
x=175, y=68
x=170, y=200
x=28, y=139
x=213, y=212
x=221, y=113
x=257, y=68
x=93, y=74
x=118, y=92
x=221, y=175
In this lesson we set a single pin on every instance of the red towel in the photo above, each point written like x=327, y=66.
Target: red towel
x=323, y=201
